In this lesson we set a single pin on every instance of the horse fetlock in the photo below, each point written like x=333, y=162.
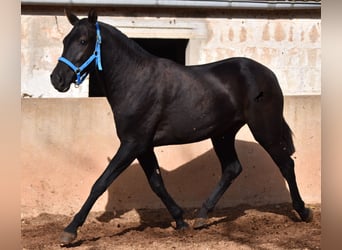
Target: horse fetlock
x=177, y=213
x=181, y=225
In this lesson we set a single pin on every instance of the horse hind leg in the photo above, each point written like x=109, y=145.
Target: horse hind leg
x=231, y=168
x=286, y=166
x=277, y=141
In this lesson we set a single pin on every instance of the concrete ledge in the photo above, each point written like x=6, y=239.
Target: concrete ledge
x=66, y=144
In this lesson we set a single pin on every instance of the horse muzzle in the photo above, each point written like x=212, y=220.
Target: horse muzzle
x=59, y=82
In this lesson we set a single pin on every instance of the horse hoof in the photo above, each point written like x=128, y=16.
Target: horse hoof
x=66, y=238
x=200, y=223
x=308, y=215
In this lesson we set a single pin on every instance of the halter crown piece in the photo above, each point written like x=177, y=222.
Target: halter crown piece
x=95, y=56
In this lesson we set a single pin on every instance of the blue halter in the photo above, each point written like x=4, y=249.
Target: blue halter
x=95, y=56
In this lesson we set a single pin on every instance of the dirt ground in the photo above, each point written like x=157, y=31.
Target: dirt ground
x=242, y=227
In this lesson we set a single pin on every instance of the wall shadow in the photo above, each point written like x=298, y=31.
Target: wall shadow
x=259, y=183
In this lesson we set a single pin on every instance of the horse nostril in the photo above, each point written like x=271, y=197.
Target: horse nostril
x=56, y=78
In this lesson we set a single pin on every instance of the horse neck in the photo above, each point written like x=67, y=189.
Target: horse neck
x=122, y=60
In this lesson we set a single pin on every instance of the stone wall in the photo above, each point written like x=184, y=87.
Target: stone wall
x=290, y=47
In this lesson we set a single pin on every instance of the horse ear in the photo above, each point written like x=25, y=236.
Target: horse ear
x=71, y=17
x=92, y=16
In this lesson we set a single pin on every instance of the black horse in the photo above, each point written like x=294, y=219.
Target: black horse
x=158, y=102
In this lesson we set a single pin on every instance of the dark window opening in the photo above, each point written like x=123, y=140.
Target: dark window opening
x=173, y=49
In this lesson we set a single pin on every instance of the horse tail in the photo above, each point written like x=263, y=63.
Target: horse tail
x=287, y=137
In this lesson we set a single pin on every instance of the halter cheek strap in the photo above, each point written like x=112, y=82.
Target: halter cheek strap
x=95, y=56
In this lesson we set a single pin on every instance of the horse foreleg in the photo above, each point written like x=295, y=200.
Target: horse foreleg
x=123, y=158
x=149, y=163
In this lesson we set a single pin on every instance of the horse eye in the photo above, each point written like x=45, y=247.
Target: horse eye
x=83, y=42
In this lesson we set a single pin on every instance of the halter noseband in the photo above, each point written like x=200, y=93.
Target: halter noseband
x=95, y=56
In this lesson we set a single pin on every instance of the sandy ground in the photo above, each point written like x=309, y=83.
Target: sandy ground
x=242, y=227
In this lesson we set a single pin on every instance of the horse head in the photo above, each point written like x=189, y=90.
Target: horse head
x=79, y=53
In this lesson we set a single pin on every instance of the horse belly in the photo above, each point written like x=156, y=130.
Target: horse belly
x=187, y=125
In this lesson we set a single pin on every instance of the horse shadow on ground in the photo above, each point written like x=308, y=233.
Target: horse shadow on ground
x=259, y=183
